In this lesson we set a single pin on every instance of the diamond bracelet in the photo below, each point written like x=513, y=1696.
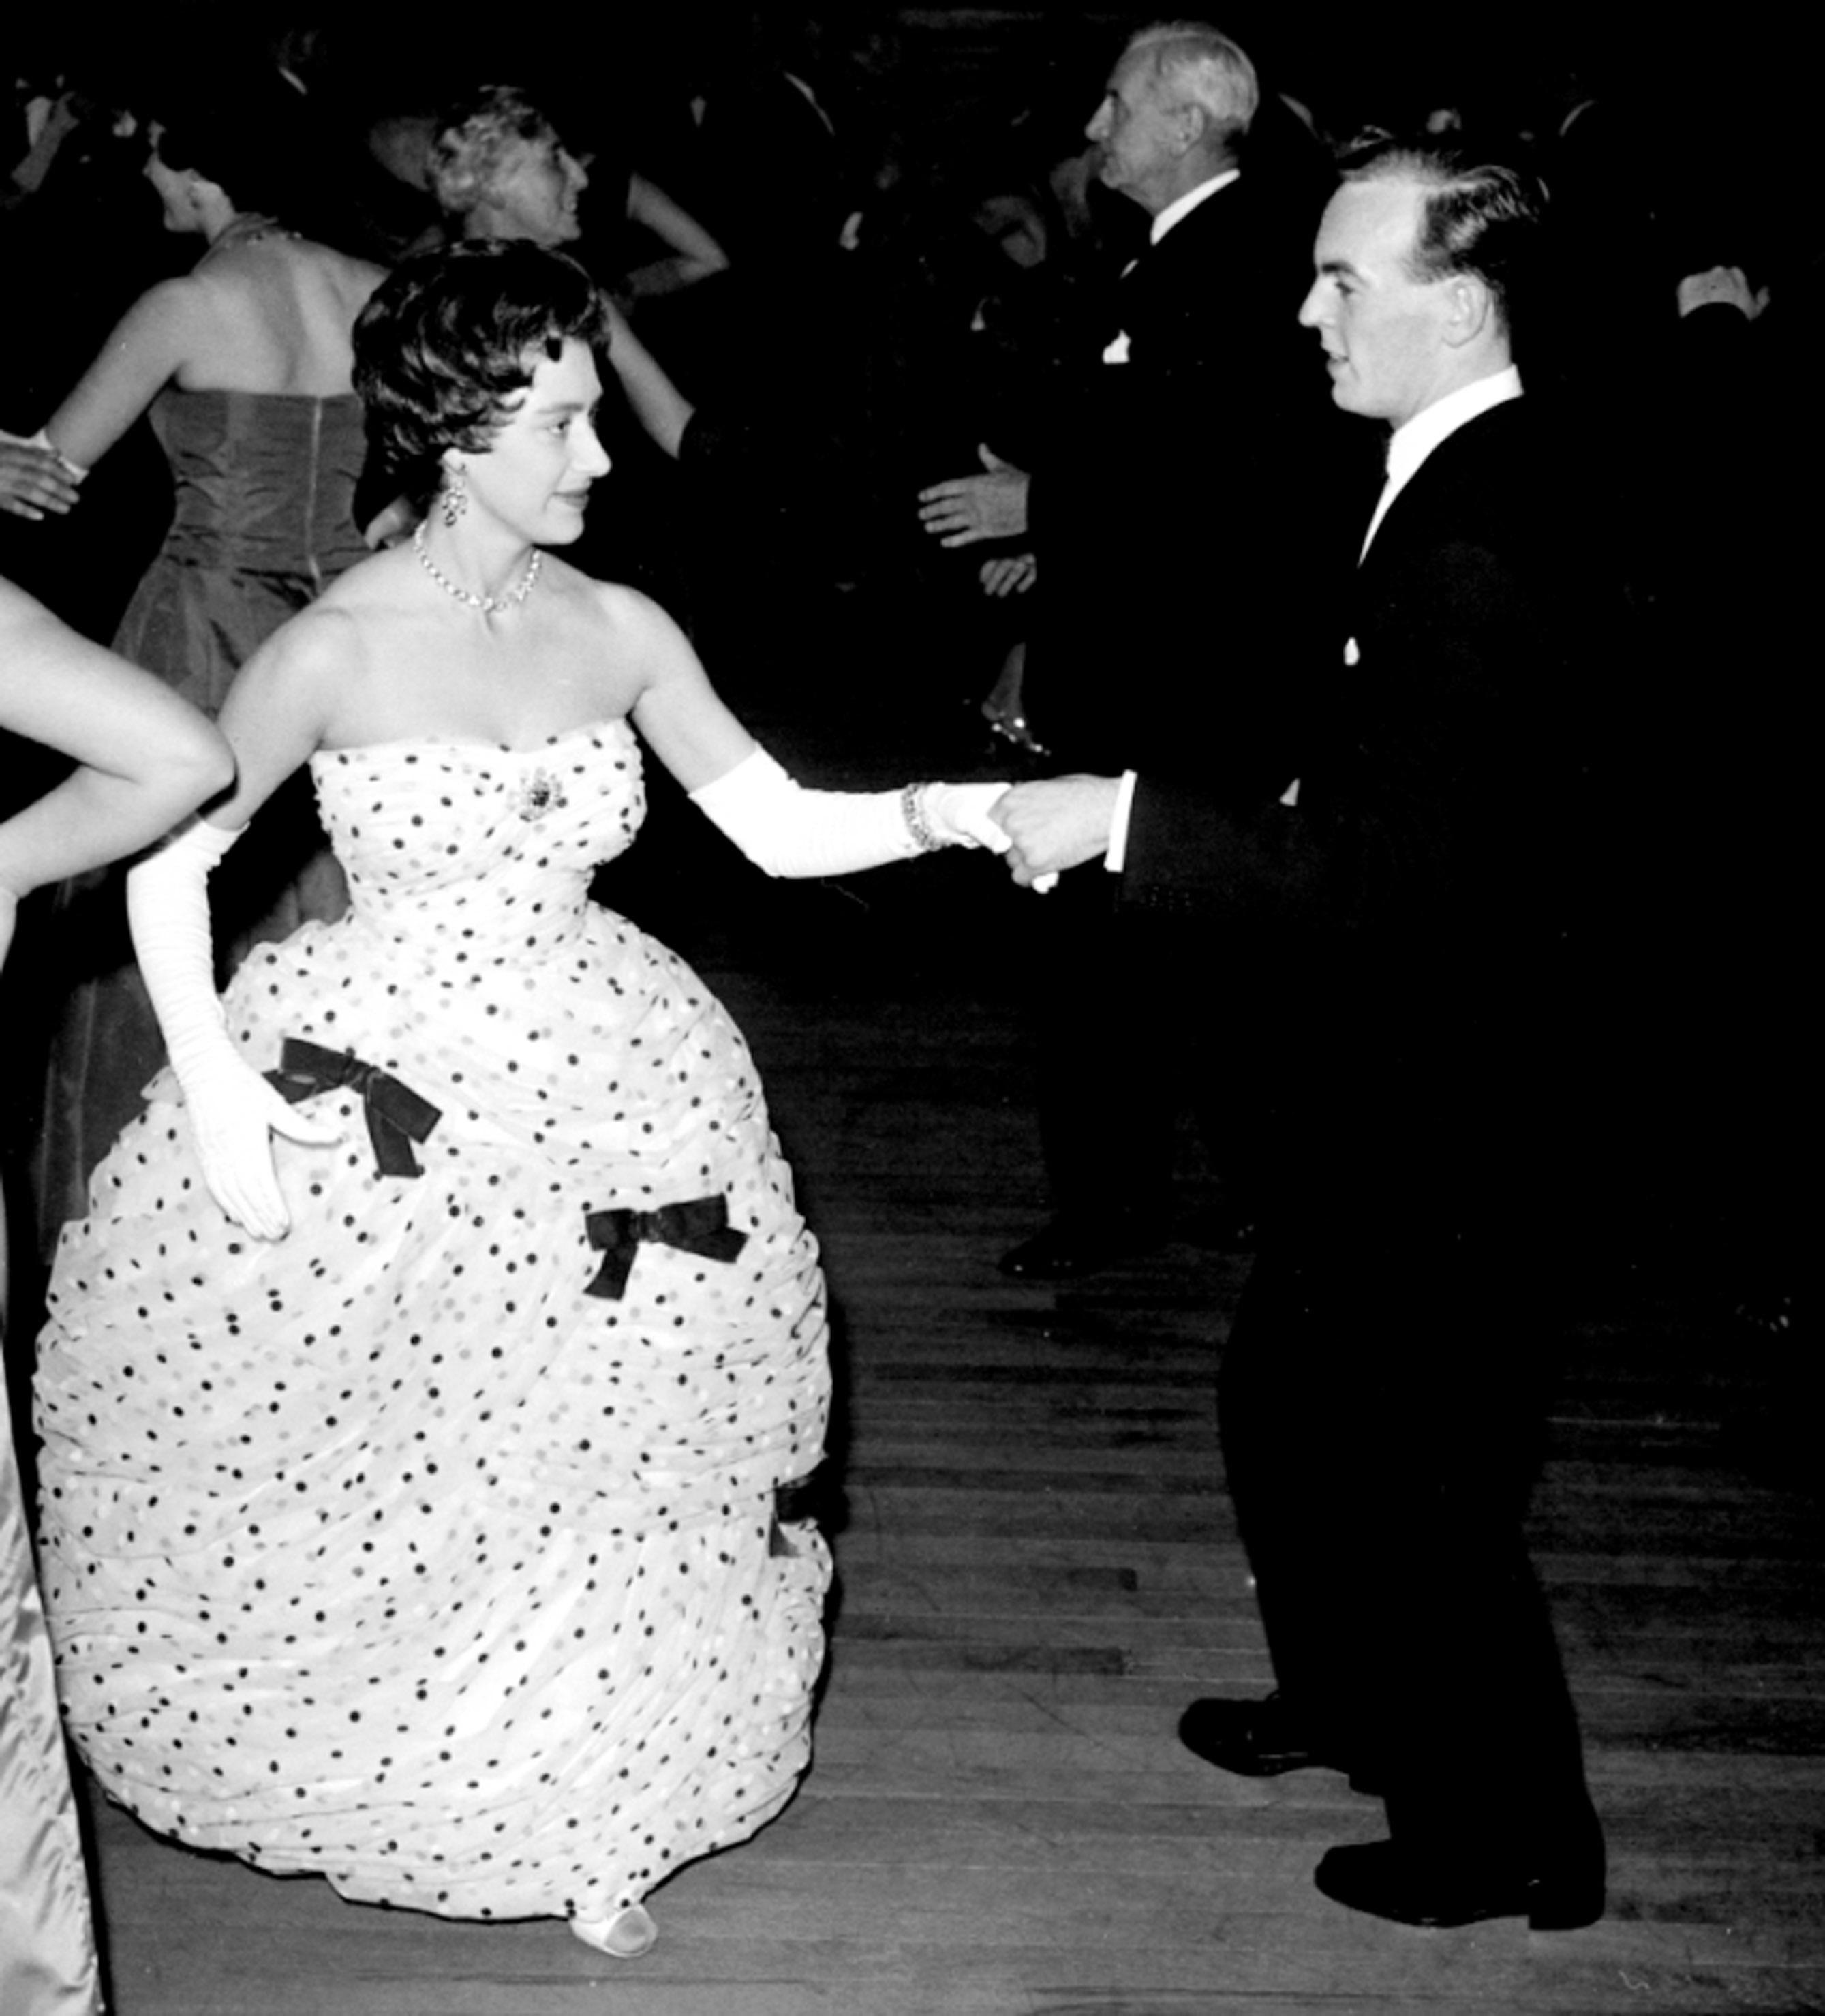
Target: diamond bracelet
x=912, y=811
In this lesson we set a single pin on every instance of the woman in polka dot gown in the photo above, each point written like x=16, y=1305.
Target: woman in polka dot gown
x=419, y=1390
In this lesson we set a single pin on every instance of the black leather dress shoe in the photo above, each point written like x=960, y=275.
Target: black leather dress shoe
x=1377, y=1877
x=1068, y=1249
x=1255, y=1739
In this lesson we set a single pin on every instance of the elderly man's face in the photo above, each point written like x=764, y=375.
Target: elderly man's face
x=1135, y=133
x=1383, y=331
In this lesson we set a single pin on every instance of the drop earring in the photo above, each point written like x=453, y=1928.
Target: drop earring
x=456, y=497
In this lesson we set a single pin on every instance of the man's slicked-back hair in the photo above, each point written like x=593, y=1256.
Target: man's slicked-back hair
x=1481, y=217
x=449, y=337
x=1190, y=63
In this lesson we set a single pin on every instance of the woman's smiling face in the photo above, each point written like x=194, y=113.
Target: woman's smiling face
x=535, y=475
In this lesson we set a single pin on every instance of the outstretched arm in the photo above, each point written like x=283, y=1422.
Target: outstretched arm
x=29, y=172
x=661, y=407
x=148, y=344
x=1057, y=823
x=144, y=758
x=780, y=826
x=695, y=254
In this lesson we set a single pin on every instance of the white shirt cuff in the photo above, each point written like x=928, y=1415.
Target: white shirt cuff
x=1115, y=856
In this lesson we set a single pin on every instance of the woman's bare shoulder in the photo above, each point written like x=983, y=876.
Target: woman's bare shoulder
x=625, y=610
x=354, y=277
x=250, y=270
x=372, y=587
x=318, y=648
x=169, y=312
x=362, y=271
x=625, y=637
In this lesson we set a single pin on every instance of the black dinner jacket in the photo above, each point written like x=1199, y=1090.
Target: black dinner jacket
x=1401, y=917
x=1180, y=501
x=1436, y=753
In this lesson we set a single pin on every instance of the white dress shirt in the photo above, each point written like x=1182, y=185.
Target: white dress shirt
x=1177, y=212
x=1408, y=446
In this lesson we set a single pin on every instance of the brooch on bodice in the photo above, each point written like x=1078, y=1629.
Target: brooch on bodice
x=540, y=793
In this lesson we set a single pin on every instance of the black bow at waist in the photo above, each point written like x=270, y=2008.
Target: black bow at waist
x=701, y=1226
x=397, y=1116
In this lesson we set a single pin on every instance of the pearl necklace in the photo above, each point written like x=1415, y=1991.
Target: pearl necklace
x=489, y=605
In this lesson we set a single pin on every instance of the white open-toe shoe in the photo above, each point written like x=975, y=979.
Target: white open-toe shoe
x=626, y=1936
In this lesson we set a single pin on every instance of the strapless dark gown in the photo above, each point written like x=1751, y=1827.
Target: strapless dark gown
x=263, y=521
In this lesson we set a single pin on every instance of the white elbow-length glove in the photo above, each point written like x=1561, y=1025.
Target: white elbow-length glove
x=787, y=830
x=233, y=1111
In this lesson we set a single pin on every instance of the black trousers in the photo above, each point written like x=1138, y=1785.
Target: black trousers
x=1136, y=1025
x=1380, y=1404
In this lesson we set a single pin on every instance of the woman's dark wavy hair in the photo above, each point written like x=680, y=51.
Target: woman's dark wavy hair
x=450, y=336
x=251, y=137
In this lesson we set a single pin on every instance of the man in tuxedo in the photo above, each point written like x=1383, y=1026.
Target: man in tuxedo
x=1399, y=891
x=1131, y=494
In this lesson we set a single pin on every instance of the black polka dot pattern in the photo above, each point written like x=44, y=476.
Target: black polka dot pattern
x=385, y=1551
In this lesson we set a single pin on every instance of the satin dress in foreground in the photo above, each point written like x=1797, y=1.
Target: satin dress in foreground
x=403, y=1549
x=47, y=1939
x=264, y=520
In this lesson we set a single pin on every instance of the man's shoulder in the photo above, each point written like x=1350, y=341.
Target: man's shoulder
x=1515, y=430
x=1233, y=272
x=1501, y=513
x=1541, y=430
x=1506, y=464
x=1253, y=214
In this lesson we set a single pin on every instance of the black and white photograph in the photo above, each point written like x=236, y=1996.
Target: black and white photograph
x=901, y=927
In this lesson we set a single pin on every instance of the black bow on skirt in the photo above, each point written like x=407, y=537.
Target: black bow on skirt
x=396, y=1115
x=700, y=1226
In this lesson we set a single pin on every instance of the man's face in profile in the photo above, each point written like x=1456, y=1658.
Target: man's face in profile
x=1383, y=330
x=1133, y=130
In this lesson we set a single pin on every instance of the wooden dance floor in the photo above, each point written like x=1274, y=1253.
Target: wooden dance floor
x=1038, y=1568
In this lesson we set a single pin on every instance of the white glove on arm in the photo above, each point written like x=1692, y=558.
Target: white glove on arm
x=233, y=1111
x=787, y=830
